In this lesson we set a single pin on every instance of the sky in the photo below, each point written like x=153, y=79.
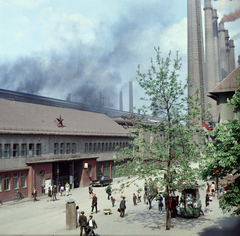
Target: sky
x=87, y=47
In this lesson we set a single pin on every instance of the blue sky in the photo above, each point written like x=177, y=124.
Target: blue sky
x=83, y=47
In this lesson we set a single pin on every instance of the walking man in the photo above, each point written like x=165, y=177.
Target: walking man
x=122, y=207
x=34, y=195
x=92, y=225
x=82, y=223
x=94, y=203
x=54, y=192
x=67, y=188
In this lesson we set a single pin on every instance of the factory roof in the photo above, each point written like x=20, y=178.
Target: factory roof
x=228, y=84
x=27, y=118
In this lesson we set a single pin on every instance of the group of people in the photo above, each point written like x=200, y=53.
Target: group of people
x=64, y=189
x=85, y=225
x=209, y=196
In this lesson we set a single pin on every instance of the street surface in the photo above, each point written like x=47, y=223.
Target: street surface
x=49, y=218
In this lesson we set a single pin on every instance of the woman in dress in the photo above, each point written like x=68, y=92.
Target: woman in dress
x=207, y=203
x=208, y=188
x=213, y=189
x=77, y=216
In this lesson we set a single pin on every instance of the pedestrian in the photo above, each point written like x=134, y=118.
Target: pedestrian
x=82, y=223
x=134, y=199
x=139, y=197
x=108, y=191
x=174, y=207
x=122, y=207
x=150, y=201
x=122, y=193
x=54, y=193
x=207, y=203
x=160, y=202
x=62, y=190
x=49, y=194
x=59, y=186
x=113, y=201
x=94, y=203
x=92, y=225
x=208, y=188
x=90, y=191
x=67, y=188
x=77, y=216
x=213, y=189
x=34, y=194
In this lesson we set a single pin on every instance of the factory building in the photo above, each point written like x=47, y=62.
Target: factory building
x=219, y=60
x=44, y=145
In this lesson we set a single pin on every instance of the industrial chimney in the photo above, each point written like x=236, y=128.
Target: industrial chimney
x=130, y=97
x=120, y=101
x=227, y=51
x=222, y=51
x=69, y=97
x=216, y=45
x=239, y=60
x=231, y=56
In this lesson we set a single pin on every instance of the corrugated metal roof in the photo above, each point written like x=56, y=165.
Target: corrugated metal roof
x=33, y=118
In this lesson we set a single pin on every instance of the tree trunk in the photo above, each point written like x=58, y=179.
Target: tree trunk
x=168, y=211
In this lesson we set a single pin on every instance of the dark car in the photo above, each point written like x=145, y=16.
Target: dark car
x=104, y=180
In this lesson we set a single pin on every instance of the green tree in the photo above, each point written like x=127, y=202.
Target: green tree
x=162, y=152
x=222, y=157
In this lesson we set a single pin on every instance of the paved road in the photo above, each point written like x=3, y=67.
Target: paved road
x=49, y=218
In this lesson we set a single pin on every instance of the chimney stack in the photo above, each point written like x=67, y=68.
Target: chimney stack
x=216, y=46
x=231, y=56
x=227, y=51
x=239, y=60
x=222, y=51
x=130, y=97
x=120, y=101
x=69, y=97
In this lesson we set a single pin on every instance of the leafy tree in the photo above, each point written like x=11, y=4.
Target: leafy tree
x=221, y=157
x=162, y=152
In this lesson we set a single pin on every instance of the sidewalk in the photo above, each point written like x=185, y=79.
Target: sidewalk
x=49, y=218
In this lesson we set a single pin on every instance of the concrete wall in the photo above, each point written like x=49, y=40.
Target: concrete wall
x=225, y=112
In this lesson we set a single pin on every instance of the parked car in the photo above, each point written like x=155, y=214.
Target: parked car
x=104, y=180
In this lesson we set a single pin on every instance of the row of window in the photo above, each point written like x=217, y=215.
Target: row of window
x=70, y=148
x=104, y=147
x=16, y=177
x=20, y=150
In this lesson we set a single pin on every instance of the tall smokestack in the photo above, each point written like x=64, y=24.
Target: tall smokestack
x=222, y=52
x=239, y=60
x=120, y=101
x=69, y=97
x=211, y=78
x=101, y=100
x=231, y=56
x=227, y=50
x=130, y=97
x=216, y=45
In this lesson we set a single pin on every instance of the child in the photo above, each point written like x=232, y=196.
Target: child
x=139, y=197
x=113, y=201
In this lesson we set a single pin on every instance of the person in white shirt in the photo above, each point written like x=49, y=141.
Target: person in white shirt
x=92, y=225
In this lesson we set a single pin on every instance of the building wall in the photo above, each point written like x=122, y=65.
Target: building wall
x=225, y=112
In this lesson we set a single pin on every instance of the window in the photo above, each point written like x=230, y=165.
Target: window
x=99, y=147
x=0, y=152
x=110, y=147
x=24, y=180
x=38, y=149
x=55, y=148
x=41, y=177
x=15, y=150
x=62, y=148
x=0, y=183
x=68, y=148
x=86, y=147
x=89, y=171
x=123, y=145
x=120, y=145
x=106, y=147
x=6, y=150
x=31, y=149
x=15, y=180
x=94, y=147
x=7, y=182
x=102, y=147
x=113, y=146
x=23, y=150
x=117, y=147
x=73, y=148
x=90, y=148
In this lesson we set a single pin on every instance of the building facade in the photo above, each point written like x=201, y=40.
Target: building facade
x=42, y=144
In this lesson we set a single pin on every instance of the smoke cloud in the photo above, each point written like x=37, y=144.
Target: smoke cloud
x=237, y=36
x=232, y=16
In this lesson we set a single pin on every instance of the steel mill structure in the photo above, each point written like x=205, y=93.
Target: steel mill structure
x=219, y=60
